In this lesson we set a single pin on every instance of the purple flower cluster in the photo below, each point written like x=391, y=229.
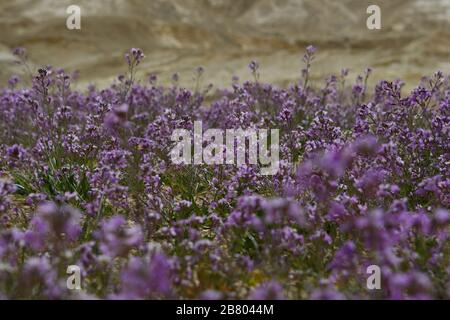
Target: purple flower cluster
x=86, y=179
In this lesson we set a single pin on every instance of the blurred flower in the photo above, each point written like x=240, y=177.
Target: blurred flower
x=271, y=290
x=116, y=238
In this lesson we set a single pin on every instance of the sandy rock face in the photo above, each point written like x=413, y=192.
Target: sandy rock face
x=224, y=35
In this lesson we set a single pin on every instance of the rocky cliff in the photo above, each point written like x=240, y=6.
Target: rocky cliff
x=224, y=35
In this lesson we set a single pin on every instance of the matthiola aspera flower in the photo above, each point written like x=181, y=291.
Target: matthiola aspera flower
x=268, y=291
x=53, y=225
x=86, y=179
x=327, y=293
x=116, y=238
x=19, y=52
x=134, y=57
x=147, y=277
x=6, y=189
x=117, y=117
x=14, y=80
x=254, y=68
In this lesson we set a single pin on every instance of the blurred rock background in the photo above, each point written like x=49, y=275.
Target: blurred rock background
x=224, y=35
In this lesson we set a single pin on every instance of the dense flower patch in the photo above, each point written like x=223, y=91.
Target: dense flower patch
x=86, y=179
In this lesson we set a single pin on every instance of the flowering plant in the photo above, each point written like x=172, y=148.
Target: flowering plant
x=86, y=179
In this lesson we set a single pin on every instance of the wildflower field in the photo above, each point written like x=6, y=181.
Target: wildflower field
x=86, y=179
